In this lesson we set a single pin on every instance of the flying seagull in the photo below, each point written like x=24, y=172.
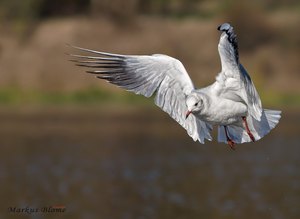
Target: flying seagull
x=231, y=103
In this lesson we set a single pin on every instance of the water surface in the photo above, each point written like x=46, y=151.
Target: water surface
x=138, y=163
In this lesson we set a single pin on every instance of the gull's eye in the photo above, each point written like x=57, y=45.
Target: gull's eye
x=196, y=104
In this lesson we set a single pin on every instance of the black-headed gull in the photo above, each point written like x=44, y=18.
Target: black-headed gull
x=231, y=102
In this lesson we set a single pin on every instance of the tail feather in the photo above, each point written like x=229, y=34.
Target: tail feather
x=269, y=120
x=259, y=129
x=273, y=117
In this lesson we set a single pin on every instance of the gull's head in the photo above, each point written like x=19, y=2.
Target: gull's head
x=194, y=103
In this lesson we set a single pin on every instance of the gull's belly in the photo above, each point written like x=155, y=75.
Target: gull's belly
x=224, y=112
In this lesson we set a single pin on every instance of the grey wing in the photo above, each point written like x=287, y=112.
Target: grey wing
x=237, y=82
x=148, y=74
x=253, y=99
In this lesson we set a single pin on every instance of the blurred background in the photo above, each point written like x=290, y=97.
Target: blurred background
x=69, y=139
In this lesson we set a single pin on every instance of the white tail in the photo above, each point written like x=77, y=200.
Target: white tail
x=259, y=129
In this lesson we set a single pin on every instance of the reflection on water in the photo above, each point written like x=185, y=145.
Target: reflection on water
x=141, y=164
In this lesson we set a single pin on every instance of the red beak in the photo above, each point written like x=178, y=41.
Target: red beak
x=187, y=114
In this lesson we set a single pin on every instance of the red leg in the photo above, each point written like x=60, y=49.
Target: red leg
x=229, y=141
x=247, y=129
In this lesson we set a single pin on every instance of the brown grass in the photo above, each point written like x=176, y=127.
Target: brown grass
x=39, y=63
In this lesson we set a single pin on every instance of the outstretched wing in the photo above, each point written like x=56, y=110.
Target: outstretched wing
x=145, y=75
x=237, y=82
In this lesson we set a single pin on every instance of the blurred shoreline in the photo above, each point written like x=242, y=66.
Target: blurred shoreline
x=98, y=96
x=36, y=71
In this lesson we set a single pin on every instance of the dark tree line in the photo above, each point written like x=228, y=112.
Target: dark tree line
x=39, y=9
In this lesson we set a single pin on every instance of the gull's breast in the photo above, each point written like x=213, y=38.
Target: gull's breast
x=223, y=112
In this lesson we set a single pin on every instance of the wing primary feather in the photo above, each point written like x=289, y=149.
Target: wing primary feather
x=96, y=57
x=98, y=66
x=105, y=71
x=97, y=52
x=100, y=62
x=105, y=77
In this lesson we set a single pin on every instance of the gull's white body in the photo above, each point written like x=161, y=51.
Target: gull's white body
x=224, y=103
x=221, y=111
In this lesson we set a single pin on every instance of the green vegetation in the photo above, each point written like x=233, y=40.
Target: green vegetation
x=94, y=96
x=286, y=100
x=87, y=96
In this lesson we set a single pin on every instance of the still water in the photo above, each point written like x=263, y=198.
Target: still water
x=138, y=163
